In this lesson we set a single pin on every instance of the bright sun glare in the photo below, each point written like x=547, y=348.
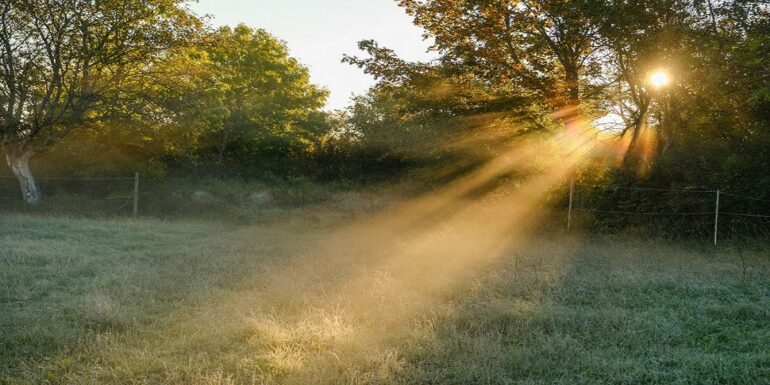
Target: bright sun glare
x=659, y=79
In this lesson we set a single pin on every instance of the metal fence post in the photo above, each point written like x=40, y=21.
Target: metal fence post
x=716, y=219
x=136, y=194
x=571, y=198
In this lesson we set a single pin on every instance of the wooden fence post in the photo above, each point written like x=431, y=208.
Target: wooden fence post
x=716, y=219
x=136, y=194
x=571, y=198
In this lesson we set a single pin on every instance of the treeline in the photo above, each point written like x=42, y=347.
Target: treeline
x=114, y=86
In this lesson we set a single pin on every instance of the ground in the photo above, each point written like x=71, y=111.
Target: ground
x=315, y=296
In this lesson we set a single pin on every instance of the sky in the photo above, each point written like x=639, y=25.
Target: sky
x=319, y=32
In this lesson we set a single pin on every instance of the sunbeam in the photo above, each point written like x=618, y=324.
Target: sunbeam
x=419, y=251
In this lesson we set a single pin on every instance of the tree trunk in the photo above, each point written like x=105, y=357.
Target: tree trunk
x=223, y=147
x=666, y=127
x=572, y=78
x=19, y=164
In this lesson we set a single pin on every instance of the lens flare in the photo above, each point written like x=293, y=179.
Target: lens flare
x=659, y=79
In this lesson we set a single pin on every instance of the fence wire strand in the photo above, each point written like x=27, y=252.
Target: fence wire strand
x=124, y=200
x=744, y=214
x=68, y=178
x=744, y=197
x=609, y=187
x=702, y=191
x=642, y=212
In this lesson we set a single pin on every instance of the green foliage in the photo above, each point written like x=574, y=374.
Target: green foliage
x=268, y=102
x=236, y=96
x=68, y=64
x=233, y=103
x=428, y=115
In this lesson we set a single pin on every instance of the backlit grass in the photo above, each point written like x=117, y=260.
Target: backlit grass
x=306, y=298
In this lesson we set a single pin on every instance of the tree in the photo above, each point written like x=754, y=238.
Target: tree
x=65, y=63
x=694, y=41
x=544, y=46
x=266, y=94
x=433, y=113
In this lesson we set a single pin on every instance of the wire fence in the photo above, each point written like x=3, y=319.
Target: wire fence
x=713, y=207
x=107, y=195
x=722, y=212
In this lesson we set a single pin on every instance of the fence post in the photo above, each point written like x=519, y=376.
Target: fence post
x=716, y=219
x=571, y=197
x=136, y=194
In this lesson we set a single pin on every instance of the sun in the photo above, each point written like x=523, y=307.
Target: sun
x=659, y=79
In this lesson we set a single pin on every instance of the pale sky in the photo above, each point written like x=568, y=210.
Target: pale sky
x=319, y=32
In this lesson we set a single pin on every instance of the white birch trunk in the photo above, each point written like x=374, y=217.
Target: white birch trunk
x=19, y=164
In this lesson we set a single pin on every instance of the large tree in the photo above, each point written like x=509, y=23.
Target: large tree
x=266, y=94
x=66, y=63
x=692, y=40
x=544, y=46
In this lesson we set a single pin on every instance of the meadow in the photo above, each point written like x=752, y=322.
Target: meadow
x=328, y=293
x=183, y=204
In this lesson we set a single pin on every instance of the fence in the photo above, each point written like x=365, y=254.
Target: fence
x=106, y=189
x=708, y=204
x=715, y=211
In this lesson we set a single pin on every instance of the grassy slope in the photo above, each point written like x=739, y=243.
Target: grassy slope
x=87, y=301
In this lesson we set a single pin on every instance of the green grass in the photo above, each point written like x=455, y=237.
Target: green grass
x=303, y=298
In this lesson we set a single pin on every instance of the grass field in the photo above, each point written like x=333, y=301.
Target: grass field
x=313, y=296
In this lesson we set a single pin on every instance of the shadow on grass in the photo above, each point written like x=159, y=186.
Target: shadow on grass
x=624, y=311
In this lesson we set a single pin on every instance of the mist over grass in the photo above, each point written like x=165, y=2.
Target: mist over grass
x=413, y=237
x=311, y=297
